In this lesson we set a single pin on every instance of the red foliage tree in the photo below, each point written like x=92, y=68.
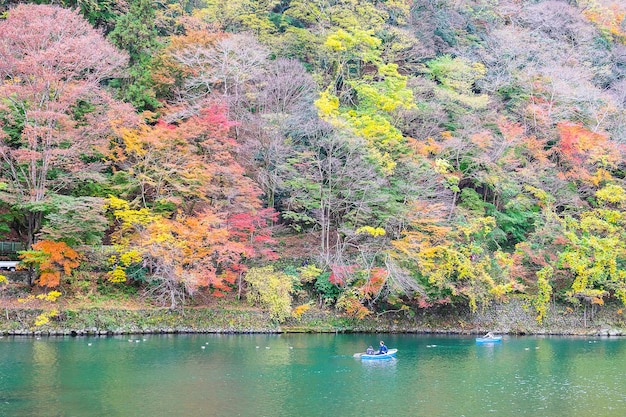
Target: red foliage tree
x=190, y=163
x=585, y=155
x=53, y=112
x=216, y=223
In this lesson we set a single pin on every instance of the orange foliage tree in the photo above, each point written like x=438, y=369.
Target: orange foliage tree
x=584, y=155
x=193, y=218
x=187, y=252
x=608, y=17
x=51, y=260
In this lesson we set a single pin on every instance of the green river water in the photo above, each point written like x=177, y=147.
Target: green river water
x=310, y=375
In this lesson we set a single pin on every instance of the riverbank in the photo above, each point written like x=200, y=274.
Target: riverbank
x=513, y=317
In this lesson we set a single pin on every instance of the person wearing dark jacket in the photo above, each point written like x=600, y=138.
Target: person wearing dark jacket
x=382, y=349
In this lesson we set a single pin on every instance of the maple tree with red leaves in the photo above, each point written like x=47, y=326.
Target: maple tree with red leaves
x=585, y=155
x=54, y=116
x=216, y=222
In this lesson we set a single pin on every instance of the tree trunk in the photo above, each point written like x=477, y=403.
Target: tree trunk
x=239, y=285
x=172, y=295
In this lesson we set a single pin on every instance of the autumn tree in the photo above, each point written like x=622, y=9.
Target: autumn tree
x=449, y=264
x=608, y=17
x=585, y=157
x=186, y=165
x=272, y=290
x=191, y=217
x=51, y=261
x=184, y=253
x=594, y=250
x=189, y=252
x=266, y=100
x=364, y=104
x=54, y=115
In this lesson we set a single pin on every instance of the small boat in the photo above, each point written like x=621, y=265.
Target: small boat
x=391, y=353
x=492, y=339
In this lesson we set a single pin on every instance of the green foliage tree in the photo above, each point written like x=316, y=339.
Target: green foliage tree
x=332, y=187
x=135, y=32
x=75, y=221
x=241, y=16
x=456, y=78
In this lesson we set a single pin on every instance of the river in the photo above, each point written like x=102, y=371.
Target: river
x=300, y=375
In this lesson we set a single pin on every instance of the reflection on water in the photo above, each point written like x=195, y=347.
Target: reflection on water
x=379, y=363
x=310, y=375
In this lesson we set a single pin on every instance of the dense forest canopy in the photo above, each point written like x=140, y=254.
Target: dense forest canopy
x=365, y=155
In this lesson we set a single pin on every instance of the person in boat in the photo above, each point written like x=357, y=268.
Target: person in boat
x=369, y=351
x=489, y=335
x=382, y=349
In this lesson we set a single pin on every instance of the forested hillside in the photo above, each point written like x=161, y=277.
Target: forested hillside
x=361, y=155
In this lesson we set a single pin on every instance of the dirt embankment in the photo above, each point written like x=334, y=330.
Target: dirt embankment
x=513, y=317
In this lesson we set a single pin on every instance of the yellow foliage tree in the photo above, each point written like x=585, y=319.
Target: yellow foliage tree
x=456, y=77
x=608, y=18
x=595, y=249
x=271, y=289
x=449, y=263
